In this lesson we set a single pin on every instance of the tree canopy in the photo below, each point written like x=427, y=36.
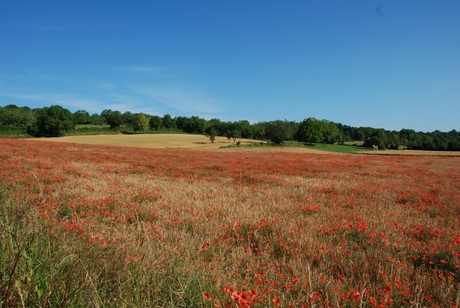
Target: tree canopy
x=56, y=120
x=51, y=122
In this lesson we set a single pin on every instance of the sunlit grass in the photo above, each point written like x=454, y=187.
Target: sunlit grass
x=337, y=148
x=87, y=225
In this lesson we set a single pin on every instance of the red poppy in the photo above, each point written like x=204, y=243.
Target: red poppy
x=206, y=296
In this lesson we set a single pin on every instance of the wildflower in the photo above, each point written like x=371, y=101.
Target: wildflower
x=277, y=301
x=206, y=296
x=236, y=296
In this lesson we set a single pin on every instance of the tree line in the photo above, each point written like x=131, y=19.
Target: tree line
x=56, y=121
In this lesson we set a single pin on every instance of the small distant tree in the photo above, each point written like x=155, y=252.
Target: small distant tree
x=140, y=122
x=211, y=133
x=233, y=134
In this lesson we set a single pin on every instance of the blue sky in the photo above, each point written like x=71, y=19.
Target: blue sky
x=385, y=64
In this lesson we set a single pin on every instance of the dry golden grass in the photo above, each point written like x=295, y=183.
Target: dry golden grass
x=168, y=228
x=170, y=141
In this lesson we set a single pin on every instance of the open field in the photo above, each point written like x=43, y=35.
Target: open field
x=187, y=141
x=98, y=225
x=175, y=141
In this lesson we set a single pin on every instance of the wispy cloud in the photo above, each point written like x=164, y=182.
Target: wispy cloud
x=182, y=100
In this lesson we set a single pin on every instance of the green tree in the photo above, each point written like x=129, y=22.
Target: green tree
x=245, y=128
x=96, y=119
x=280, y=131
x=217, y=125
x=168, y=122
x=258, y=131
x=52, y=122
x=128, y=118
x=233, y=134
x=378, y=138
x=409, y=137
x=15, y=116
x=140, y=122
x=330, y=131
x=82, y=117
x=211, y=133
x=155, y=122
x=113, y=118
x=198, y=125
x=310, y=130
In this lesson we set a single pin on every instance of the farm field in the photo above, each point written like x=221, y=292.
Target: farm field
x=153, y=140
x=116, y=226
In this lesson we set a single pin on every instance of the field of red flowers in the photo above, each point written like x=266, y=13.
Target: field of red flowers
x=87, y=225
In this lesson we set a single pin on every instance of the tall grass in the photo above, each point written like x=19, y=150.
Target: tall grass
x=41, y=265
x=108, y=226
x=13, y=131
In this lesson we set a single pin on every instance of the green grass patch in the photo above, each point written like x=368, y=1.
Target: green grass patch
x=337, y=148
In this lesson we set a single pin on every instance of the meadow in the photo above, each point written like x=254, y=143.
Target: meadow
x=111, y=226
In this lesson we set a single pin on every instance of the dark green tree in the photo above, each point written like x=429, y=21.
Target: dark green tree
x=310, y=130
x=155, y=122
x=330, y=131
x=128, y=118
x=96, y=119
x=378, y=138
x=245, y=128
x=233, y=134
x=198, y=125
x=82, y=117
x=169, y=122
x=280, y=131
x=52, y=122
x=258, y=131
x=217, y=125
x=211, y=133
x=113, y=118
x=408, y=137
